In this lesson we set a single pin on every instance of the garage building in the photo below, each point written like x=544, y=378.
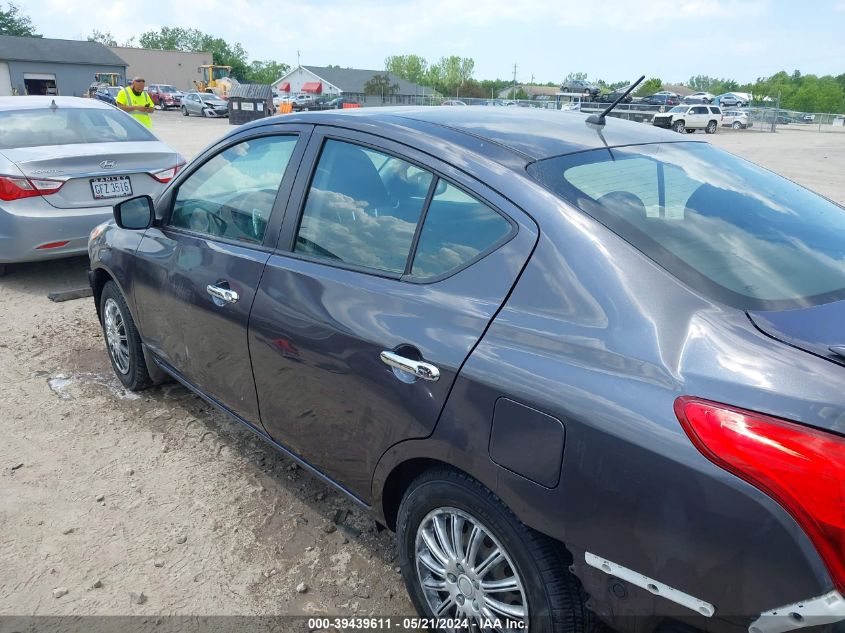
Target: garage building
x=43, y=66
x=175, y=68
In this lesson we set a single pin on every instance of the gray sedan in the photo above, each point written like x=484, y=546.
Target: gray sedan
x=204, y=104
x=63, y=162
x=585, y=371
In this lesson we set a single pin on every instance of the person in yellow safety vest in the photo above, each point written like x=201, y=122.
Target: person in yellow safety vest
x=136, y=102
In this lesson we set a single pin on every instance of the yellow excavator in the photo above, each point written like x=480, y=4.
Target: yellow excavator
x=103, y=80
x=215, y=79
x=108, y=79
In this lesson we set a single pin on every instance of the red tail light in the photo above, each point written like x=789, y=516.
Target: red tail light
x=166, y=175
x=801, y=468
x=18, y=187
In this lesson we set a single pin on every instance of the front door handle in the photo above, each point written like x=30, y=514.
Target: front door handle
x=416, y=368
x=222, y=295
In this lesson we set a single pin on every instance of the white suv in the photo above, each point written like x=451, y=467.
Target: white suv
x=689, y=118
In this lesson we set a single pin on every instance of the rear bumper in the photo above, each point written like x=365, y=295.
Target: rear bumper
x=27, y=224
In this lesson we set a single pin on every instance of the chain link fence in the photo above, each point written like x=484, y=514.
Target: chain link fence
x=762, y=119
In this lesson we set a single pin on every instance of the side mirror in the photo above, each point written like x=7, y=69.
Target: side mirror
x=135, y=214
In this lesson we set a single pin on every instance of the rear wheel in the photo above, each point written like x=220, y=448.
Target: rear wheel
x=464, y=555
x=711, y=128
x=123, y=342
x=679, y=127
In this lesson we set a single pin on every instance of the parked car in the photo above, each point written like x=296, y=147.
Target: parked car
x=610, y=97
x=730, y=100
x=737, y=119
x=165, y=96
x=660, y=99
x=337, y=103
x=204, y=104
x=108, y=93
x=698, y=97
x=808, y=118
x=63, y=163
x=302, y=102
x=453, y=102
x=580, y=86
x=685, y=118
x=570, y=365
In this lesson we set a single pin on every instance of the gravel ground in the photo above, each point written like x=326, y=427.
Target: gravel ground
x=107, y=495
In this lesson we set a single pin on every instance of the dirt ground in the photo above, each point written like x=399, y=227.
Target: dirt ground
x=108, y=494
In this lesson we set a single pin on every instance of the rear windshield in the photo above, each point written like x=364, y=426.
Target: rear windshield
x=69, y=126
x=732, y=230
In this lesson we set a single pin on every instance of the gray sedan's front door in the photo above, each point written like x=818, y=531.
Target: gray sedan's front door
x=197, y=273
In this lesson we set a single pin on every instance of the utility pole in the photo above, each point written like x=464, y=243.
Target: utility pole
x=297, y=58
x=514, y=81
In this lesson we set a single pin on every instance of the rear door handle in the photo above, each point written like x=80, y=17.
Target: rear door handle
x=222, y=295
x=416, y=368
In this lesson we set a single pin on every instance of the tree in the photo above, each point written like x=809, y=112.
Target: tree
x=412, y=68
x=649, y=86
x=13, y=22
x=174, y=38
x=103, y=38
x=380, y=85
x=451, y=73
x=266, y=72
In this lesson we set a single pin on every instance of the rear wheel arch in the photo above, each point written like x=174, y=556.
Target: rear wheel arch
x=396, y=484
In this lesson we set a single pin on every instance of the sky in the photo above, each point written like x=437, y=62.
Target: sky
x=613, y=40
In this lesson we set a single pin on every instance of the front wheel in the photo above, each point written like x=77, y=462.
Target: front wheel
x=184, y=111
x=679, y=127
x=711, y=128
x=465, y=556
x=123, y=342
x=736, y=125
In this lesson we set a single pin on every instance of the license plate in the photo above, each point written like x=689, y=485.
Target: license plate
x=111, y=187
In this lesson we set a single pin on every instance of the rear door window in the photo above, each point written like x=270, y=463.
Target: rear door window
x=457, y=229
x=363, y=207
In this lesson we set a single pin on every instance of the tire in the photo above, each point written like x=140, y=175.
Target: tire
x=205, y=114
x=543, y=592
x=679, y=127
x=711, y=128
x=123, y=343
x=184, y=111
x=736, y=125
x=2, y=270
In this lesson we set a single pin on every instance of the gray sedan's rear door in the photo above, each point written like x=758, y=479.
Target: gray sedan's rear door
x=336, y=296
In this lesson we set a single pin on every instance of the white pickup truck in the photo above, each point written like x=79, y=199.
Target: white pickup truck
x=689, y=118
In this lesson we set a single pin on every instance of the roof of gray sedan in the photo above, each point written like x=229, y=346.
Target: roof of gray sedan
x=530, y=132
x=32, y=102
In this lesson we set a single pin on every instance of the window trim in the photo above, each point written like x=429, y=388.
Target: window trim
x=279, y=204
x=286, y=246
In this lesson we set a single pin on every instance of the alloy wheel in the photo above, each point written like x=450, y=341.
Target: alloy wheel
x=116, y=339
x=466, y=573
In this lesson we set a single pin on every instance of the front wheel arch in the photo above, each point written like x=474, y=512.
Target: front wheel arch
x=99, y=278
